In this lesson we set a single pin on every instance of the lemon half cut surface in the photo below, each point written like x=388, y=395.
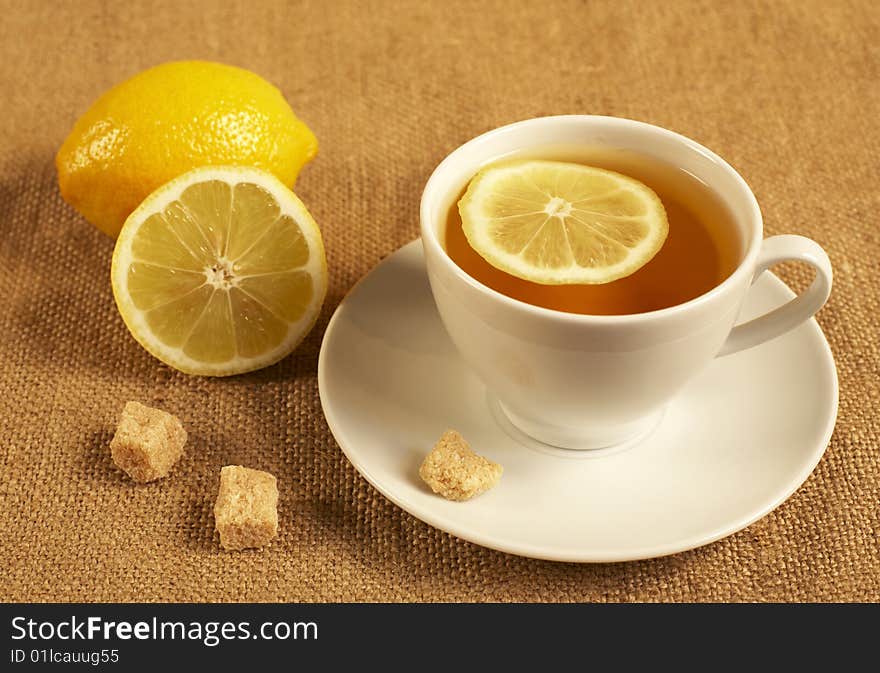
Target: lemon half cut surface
x=220, y=271
x=555, y=223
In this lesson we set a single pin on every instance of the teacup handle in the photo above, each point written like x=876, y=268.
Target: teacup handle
x=774, y=250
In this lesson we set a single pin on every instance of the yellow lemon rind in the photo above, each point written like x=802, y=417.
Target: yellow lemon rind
x=167, y=120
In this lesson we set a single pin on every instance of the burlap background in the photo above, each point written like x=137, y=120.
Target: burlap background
x=786, y=91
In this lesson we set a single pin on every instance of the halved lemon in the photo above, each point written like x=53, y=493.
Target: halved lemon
x=220, y=271
x=557, y=223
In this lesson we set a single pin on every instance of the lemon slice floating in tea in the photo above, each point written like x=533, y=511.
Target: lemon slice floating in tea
x=220, y=271
x=557, y=223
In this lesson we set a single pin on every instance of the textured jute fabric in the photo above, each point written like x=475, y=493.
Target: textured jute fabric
x=786, y=91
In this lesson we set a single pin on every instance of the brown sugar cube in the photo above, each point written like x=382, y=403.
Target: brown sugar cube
x=147, y=442
x=454, y=471
x=246, y=511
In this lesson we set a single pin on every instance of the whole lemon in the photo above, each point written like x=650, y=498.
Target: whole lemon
x=167, y=120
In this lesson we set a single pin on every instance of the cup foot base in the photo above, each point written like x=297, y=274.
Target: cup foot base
x=571, y=445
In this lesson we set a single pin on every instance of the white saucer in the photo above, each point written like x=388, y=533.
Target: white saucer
x=729, y=449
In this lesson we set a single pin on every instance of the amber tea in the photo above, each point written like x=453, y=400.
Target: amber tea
x=700, y=251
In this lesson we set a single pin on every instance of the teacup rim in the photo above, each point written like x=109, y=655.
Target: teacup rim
x=430, y=237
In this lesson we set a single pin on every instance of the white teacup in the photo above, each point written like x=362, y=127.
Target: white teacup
x=581, y=381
